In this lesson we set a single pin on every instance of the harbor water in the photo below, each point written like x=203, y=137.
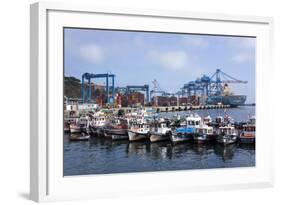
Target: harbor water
x=104, y=156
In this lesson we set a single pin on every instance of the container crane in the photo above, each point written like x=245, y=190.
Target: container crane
x=88, y=77
x=218, y=80
x=156, y=90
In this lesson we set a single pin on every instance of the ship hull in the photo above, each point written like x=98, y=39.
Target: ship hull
x=232, y=100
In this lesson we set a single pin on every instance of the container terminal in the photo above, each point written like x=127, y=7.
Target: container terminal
x=206, y=92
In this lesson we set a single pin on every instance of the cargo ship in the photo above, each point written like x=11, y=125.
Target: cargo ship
x=227, y=98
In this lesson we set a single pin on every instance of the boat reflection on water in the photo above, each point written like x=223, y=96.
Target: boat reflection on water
x=168, y=150
x=225, y=152
x=102, y=155
x=161, y=150
x=138, y=147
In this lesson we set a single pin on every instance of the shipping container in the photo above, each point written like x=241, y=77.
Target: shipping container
x=135, y=99
x=173, y=101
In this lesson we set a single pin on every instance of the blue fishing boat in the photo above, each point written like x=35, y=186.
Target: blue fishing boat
x=183, y=134
x=187, y=131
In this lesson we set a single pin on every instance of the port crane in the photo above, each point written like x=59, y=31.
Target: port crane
x=218, y=80
x=206, y=86
x=156, y=90
x=88, y=77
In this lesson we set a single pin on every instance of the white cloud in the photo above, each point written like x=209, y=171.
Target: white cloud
x=174, y=60
x=92, y=53
x=243, y=57
x=195, y=41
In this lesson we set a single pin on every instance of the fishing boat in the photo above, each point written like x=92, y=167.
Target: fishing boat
x=97, y=124
x=74, y=128
x=116, y=129
x=160, y=131
x=78, y=125
x=79, y=137
x=182, y=134
x=248, y=133
x=187, y=130
x=226, y=135
x=139, y=131
x=204, y=133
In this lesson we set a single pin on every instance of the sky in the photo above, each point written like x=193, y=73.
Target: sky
x=137, y=58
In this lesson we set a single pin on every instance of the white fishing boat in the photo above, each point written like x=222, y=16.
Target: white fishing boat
x=204, y=133
x=74, y=128
x=97, y=124
x=227, y=135
x=79, y=125
x=139, y=131
x=159, y=131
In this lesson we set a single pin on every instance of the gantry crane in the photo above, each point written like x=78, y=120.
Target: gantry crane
x=88, y=77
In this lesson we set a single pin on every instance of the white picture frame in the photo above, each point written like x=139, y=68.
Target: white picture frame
x=46, y=178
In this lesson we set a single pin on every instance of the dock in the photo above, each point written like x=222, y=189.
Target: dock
x=180, y=108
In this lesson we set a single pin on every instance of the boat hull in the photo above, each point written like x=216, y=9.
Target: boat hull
x=156, y=137
x=119, y=137
x=116, y=131
x=82, y=137
x=75, y=129
x=201, y=138
x=226, y=139
x=135, y=136
x=181, y=137
x=247, y=140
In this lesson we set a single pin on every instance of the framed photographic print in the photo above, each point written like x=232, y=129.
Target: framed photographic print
x=128, y=102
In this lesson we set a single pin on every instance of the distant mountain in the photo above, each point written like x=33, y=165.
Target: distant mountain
x=72, y=88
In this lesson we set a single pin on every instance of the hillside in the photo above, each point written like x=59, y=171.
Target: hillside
x=72, y=88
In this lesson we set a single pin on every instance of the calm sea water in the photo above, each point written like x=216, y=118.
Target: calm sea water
x=103, y=156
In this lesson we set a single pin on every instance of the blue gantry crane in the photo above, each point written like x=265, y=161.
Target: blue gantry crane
x=218, y=79
x=88, y=77
x=209, y=86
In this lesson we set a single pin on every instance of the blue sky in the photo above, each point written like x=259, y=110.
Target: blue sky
x=137, y=58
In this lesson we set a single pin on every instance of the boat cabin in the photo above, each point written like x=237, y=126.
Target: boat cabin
x=143, y=127
x=193, y=121
x=159, y=126
x=99, y=121
x=249, y=128
x=205, y=130
x=229, y=130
